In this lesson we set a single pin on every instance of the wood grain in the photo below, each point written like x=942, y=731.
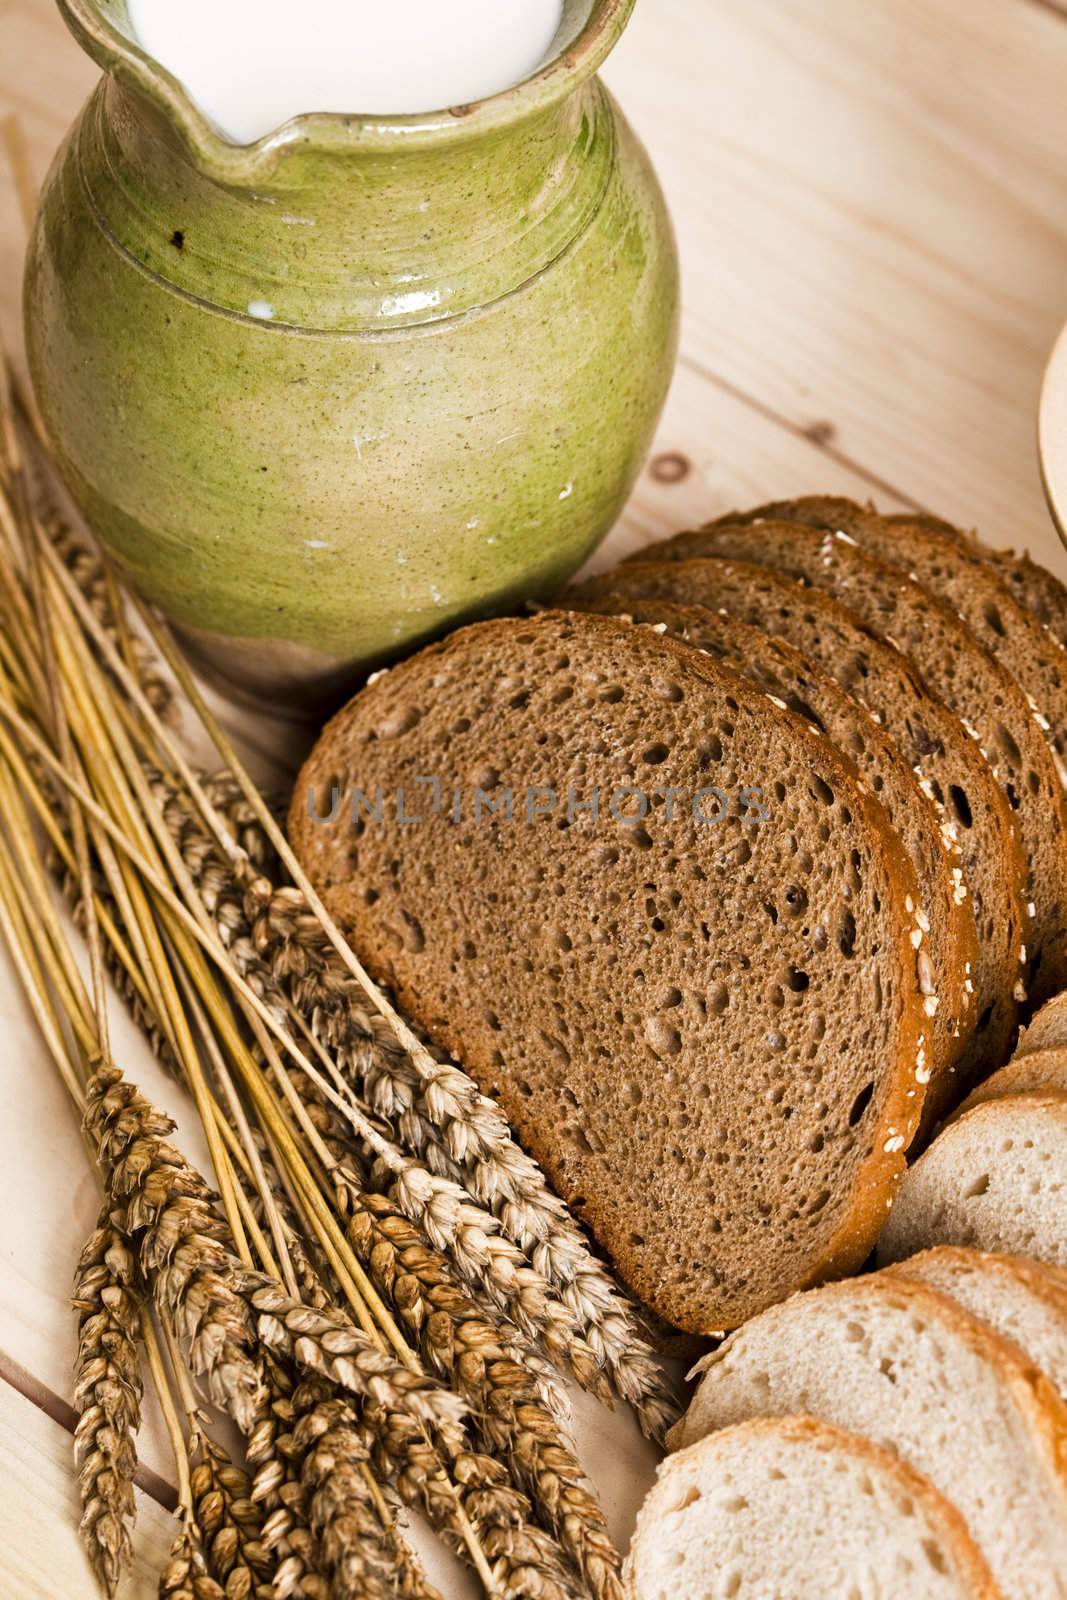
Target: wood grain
x=872, y=206
x=40, y=1554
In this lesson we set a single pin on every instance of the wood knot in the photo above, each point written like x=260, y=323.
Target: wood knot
x=670, y=467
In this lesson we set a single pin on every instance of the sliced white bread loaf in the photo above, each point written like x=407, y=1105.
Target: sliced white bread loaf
x=1030, y=1074
x=1018, y=1298
x=709, y=1032
x=1047, y=1030
x=996, y=1179
x=903, y=1364
x=793, y=1509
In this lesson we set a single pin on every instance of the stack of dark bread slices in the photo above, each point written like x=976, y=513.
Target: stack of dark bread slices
x=730, y=878
x=733, y=878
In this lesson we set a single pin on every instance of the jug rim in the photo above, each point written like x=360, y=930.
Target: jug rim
x=123, y=59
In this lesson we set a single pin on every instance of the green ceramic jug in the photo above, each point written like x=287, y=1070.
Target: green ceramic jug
x=330, y=394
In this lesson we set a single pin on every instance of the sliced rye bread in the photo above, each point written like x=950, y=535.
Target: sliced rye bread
x=903, y=1364
x=791, y=1507
x=948, y=955
x=1047, y=1030
x=929, y=736
x=614, y=983
x=1034, y=586
x=1033, y=656
x=995, y=1179
x=1016, y=1297
x=959, y=670
x=1030, y=1074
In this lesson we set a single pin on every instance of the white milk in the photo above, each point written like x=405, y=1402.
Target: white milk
x=252, y=64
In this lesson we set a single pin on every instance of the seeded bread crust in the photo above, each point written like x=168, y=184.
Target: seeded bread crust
x=615, y=988
x=1032, y=1073
x=1034, y=586
x=948, y=956
x=902, y=1363
x=789, y=1508
x=993, y=1179
x=959, y=670
x=930, y=737
x=942, y=565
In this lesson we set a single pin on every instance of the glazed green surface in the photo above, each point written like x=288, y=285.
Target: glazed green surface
x=467, y=351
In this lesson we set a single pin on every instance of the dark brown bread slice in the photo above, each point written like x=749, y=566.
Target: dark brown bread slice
x=948, y=954
x=959, y=671
x=929, y=736
x=1036, y=659
x=615, y=984
x=1033, y=585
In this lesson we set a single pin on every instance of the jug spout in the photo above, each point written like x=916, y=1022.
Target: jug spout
x=588, y=32
x=342, y=223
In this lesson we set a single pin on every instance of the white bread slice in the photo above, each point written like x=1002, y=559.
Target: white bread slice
x=1039, y=1073
x=1016, y=1297
x=795, y=1508
x=1048, y=1030
x=905, y=1365
x=996, y=1179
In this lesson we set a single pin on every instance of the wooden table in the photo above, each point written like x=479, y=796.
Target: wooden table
x=871, y=200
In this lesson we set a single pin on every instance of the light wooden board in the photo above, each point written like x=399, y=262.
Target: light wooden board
x=41, y=1556
x=871, y=201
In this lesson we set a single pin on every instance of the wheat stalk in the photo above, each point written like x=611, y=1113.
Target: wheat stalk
x=479, y=1140
x=362, y=1553
x=186, y=1576
x=480, y=1182
x=276, y=1489
x=247, y=1336
x=480, y=1357
x=230, y=1527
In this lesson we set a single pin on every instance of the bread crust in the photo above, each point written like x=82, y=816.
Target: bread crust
x=1035, y=1073
x=1047, y=1030
x=971, y=1567
x=472, y=656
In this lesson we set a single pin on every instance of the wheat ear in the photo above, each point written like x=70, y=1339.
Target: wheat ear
x=108, y=1390
x=477, y=1355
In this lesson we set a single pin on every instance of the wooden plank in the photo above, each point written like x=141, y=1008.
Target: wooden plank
x=41, y=1556
x=871, y=205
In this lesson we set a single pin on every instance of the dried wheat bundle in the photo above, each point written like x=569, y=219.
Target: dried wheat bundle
x=440, y=1117
x=363, y=1282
